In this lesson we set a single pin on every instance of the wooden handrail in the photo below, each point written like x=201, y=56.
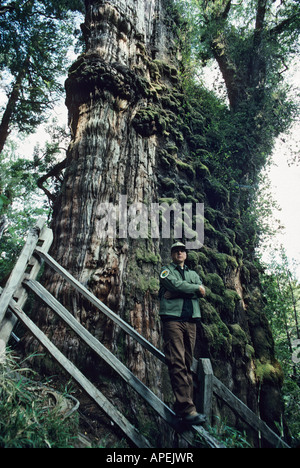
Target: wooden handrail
x=18, y=271
x=39, y=234
x=247, y=414
x=100, y=305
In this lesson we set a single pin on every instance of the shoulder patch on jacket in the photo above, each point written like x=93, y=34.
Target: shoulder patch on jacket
x=165, y=273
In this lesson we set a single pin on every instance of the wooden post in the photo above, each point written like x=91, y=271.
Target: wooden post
x=205, y=388
x=19, y=269
x=13, y=288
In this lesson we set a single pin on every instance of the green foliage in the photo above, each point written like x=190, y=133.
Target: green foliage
x=252, y=47
x=282, y=304
x=35, y=37
x=21, y=201
x=26, y=419
x=229, y=436
x=282, y=295
x=20, y=206
x=232, y=138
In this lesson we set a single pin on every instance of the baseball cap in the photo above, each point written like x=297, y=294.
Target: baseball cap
x=178, y=244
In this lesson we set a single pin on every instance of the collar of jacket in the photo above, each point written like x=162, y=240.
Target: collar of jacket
x=177, y=266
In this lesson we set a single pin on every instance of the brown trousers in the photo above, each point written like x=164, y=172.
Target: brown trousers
x=179, y=343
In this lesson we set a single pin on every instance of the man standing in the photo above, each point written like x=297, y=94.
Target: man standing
x=180, y=289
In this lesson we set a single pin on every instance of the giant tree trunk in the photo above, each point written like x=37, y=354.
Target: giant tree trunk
x=126, y=111
x=113, y=152
x=108, y=157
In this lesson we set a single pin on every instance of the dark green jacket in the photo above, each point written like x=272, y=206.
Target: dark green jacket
x=171, y=280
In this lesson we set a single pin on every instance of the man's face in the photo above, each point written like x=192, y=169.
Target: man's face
x=178, y=255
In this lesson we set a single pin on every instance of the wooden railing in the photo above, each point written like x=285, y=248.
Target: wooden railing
x=12, y=299
x=209, y=386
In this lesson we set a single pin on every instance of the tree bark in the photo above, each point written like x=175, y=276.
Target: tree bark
x=111, y=154
x=11, y=105
x=241, y=77
x=3, y=222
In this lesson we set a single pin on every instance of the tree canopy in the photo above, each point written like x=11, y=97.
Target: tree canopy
x=34, y=40
x=254, y=44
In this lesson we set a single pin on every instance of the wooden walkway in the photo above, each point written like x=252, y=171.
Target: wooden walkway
x=13, y=298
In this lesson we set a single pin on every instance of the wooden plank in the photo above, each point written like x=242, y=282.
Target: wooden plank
x=7, y=326
x=97, y=303
x=128, y=429
x=44, y=241
x=246, y=414
x=9, y=320
x=17, y=274
x=163, y=410
x=34, y=264
x=205, y=388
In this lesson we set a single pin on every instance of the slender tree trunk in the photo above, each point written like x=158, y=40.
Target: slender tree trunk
x=11, y=105
x=2, y=225
x=294, y=302
x=285, y=320
x=241, y=77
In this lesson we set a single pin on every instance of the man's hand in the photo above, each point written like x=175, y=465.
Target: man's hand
x=202, y=290
x=170, y=295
